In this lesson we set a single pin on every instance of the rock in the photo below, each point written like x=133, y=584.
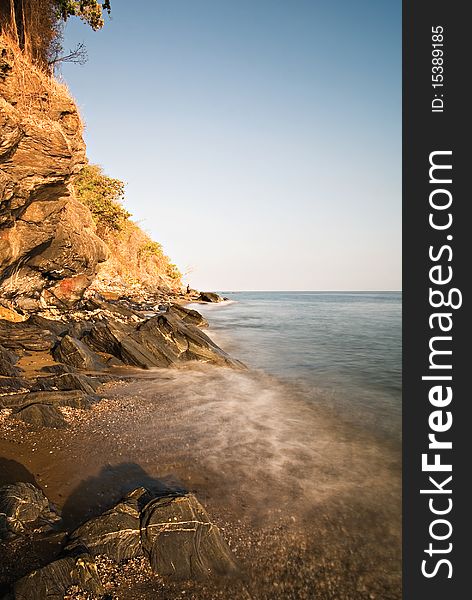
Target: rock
x=189, y=316
x=161, y=341
x=72, y=398
x=210, y=297
x=49, y=251
x=53, y=580
x=181, y=542
x=26, y=336
x=118, y=339
x=9, y=385
x=118, y=310
x=40, y=415
x=116, y=532
x=66, y=382
x=179, y=342
x=75, y=353
x=8, y=361
x=8, y=314
x=26, y=508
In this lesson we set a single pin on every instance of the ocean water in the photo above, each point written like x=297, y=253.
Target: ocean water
x=342, y=347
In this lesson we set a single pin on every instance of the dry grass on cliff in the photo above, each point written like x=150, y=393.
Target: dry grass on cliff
x=136, y=260
x=36, y=93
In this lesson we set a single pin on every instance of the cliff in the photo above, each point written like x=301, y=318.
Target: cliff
x=50, y=251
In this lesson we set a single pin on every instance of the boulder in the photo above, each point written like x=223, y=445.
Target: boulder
x=54, y=580
x=25, y=509
x=209, y=297
x=181, y=542
x=40, y=415
x=8, y=361
x=115, y=533
x=75, y=353
x=188, y=315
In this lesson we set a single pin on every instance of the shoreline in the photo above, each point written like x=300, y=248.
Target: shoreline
x=211, y=430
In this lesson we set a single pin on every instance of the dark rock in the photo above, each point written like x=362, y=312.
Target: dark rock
x=53, y=580
x=117, y=309
x=179, y=342
x=210, y=297
x=161, y=341
x=118, y=339
x=40, y=415
x=25, y=508
x=189, y=316
x=58, y=328
x=8, y=361
x=75, y=353
x=116, y=532
x=72, y=398
x=58, y=369
x=66, y=382
x=181, y=542
x=9, y=385
x=26, y=335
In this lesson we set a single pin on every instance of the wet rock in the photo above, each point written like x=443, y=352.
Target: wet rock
x=179, y=342
x=40, y=415
x=75, y=353
x=210, y=297
x=116, y=532
x=161, y=341
x=189, y=316
x=181, y=542
x=25, y=508
x=8, y=361
x=53, y=580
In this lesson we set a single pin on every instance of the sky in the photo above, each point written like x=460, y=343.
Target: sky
x=260, y=140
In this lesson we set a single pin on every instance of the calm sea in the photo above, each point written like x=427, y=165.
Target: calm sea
x=346, y=346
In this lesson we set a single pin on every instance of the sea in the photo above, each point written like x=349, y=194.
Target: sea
x=343, y=348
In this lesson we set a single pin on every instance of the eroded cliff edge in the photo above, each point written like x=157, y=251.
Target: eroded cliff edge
x=49, y=250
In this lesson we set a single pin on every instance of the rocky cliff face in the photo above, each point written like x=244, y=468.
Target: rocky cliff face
x=49, y=251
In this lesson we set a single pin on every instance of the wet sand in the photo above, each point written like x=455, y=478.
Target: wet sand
x=309, y=504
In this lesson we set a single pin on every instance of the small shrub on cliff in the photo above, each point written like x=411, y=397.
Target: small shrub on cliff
x=173, y=272
x=102, y=195
x=151, y=248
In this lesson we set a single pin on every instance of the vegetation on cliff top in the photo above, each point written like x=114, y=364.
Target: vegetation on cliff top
x=36, y=26
x=134, y=257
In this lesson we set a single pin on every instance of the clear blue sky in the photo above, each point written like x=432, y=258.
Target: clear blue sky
x=260, y=140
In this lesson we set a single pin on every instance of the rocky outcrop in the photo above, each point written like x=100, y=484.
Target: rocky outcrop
x=161, y=341
x=48, y=249
x=181, y=542
x=188, y=316
x=173, y=532
x=54, y=580
x=24, y=508
x=210, y=297
x=8, y=361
